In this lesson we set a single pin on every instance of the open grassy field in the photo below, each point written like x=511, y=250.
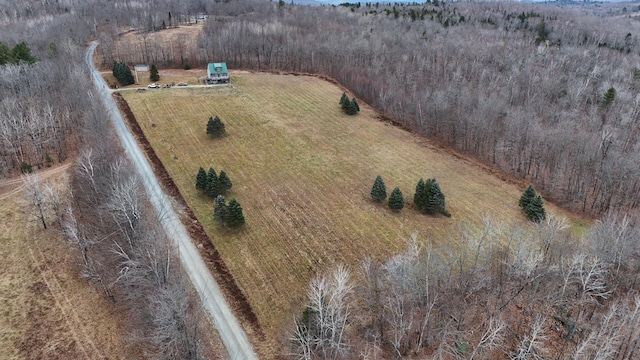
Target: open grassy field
x=46, y=310
x=302, y=171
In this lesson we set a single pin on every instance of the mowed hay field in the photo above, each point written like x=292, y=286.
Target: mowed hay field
x=302, y=171
x=46, y=310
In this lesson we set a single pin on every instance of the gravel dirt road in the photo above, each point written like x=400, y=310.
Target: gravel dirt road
x=232, y=335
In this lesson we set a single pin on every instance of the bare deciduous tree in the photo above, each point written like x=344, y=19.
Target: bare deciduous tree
x=322, y=329
x=532, y=345
x=35, y=198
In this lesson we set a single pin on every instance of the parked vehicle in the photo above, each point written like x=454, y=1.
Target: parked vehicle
x=182, y=84
x=153, y=86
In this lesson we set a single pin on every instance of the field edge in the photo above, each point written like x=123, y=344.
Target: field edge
x=206, y=248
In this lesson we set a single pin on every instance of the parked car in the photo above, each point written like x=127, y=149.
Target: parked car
x=153, y=86
x=182, y=84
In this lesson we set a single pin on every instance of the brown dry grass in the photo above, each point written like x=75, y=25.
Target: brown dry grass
x=174, y=38
x=47, y=312
x=302, y=171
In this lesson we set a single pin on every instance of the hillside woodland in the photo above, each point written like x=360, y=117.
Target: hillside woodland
x=543, y=93
x=49, y=113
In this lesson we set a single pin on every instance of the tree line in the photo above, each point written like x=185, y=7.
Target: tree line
x=44, y=104
x=503, y=291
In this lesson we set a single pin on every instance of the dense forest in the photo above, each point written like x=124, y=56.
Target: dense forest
x=544, y=93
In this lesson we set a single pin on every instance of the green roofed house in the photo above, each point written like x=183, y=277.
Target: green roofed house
x=217, y=73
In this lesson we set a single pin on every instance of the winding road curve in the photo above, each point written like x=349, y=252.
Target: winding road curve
x=232, y=335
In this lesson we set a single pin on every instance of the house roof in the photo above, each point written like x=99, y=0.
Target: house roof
x=222, y=68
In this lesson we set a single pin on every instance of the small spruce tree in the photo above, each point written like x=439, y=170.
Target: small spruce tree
x=345, y=104
x=234, y=216
x=351, y=107
x=535, y=209
x=219, y=126
x=343, y=99
x=608, y=97
x=220, y=210
x=21, y=52
x=527, y=196
x=396, y=202
x=532, y=205
x=215, y=127
x=429, y=199
x=434, y=198
x=153, y=73
x=210, y=126
x=224, y=183
x=379, y=190
x=212, y=188
x=128, y=76
x=201, y=179
x=122, y=73
x=419, y=196
x=6, y=55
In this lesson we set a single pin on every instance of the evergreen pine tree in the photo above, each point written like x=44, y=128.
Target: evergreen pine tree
x=527, y=196
x=122, y=73
x=115, y=69
x=153, y=73
x=220, y=210
x=396, y=202
x=345, y=104
x=234, y=216
x=379, y=190
x=118, y=72
x=419, y=196
x=210, y=126
x=6, y=55
x=343, y=99
x=608, y=97
x=351, y=107
x=218, y=126
x=434, y=203
x=212, y=188
x=201, y=179
x=215, y=127
x=535, y=209
x=224, y=183
x=21, y=52
x=542, y=32
x=128, y=75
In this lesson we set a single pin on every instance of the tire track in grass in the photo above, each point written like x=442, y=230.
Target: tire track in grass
x=75, y=326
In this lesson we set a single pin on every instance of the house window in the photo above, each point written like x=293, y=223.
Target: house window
x=218, y=69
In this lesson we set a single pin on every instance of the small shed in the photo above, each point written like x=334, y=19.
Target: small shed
x=217, y=73
x=138, y=68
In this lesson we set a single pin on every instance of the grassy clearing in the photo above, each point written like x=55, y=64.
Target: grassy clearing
x=46, y=311
x=302, y=171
